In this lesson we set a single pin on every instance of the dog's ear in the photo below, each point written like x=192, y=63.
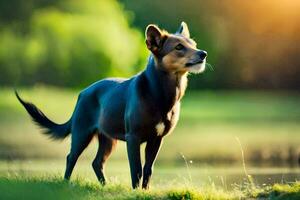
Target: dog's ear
x=184, y=30
x=154, y=38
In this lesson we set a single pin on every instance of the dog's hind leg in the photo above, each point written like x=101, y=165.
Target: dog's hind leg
x=106, y=146
x=79, y=142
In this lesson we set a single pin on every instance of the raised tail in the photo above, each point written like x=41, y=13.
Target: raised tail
x=55, y=131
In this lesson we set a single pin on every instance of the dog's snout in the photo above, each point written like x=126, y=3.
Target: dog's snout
x=202, y=54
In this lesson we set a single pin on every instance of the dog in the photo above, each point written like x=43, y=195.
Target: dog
x=141, y=109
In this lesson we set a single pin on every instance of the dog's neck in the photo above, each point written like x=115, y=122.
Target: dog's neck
x=166, y=88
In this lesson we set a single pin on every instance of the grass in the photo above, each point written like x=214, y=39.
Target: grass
x=55, y=188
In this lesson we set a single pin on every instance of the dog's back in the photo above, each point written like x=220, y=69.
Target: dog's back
x=101, y=107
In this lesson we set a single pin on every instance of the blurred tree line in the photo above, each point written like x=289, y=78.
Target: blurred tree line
x=74, y=43
x=250, y=44
x=66, y=43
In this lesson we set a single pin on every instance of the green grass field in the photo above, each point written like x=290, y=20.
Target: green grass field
x=49, y=188
x=266, y=123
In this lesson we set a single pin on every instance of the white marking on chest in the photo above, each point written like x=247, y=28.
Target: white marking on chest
x=160, y=128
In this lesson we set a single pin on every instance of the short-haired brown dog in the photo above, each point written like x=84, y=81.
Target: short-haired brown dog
x=144, y=108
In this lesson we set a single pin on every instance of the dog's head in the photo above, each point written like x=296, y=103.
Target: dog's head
x=175, y=52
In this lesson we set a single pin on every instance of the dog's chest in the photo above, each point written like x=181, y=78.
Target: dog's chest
x=168, y=122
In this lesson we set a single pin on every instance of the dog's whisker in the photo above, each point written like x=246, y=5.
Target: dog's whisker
x=210, y=66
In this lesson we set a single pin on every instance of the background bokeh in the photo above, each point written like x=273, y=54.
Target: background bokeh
x=250, y=44
x=52, y=49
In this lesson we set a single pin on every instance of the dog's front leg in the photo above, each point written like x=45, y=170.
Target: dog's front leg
x=133, y=152
x=151, y=151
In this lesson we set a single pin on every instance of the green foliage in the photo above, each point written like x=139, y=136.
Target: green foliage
x=249, y=45
x=72, y=44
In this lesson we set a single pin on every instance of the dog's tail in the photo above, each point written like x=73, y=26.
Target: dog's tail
x=55, y=131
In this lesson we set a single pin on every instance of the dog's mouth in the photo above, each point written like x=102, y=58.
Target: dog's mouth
x=196, y=67
x=189, y=64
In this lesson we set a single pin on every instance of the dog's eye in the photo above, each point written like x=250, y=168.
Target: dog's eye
x=179, y=47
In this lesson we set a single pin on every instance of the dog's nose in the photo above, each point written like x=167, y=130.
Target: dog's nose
x=202, y=54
